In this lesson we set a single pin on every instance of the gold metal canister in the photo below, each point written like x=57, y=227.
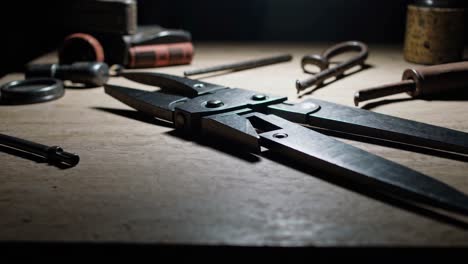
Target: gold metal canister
x=434, y=35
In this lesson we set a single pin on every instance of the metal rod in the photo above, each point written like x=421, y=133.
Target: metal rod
x=52, y=154
x=243, y=65
x=384, y=90
x=321, y=76
x=323, y=62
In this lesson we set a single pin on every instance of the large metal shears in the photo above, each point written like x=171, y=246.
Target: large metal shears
x=254, y=120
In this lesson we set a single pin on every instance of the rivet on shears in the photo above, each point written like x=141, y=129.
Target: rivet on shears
x=214, y=103
x=259, y=97
x=280, y=135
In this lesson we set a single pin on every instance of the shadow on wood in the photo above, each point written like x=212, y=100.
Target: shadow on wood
x=346, y=184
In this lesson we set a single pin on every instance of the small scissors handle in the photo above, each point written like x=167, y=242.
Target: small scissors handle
x=323, y=62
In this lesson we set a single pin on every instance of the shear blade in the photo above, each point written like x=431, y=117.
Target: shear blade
x=233, y=128
x=370, y=124
x=330, y=155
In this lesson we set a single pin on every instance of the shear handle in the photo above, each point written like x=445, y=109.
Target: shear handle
x=172, y=83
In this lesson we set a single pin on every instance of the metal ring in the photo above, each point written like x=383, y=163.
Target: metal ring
x=30, y=91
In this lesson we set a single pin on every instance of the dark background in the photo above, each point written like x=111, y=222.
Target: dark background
x=33, y=27
x=282, y=20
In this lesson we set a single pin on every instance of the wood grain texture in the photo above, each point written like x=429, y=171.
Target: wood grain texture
x=139, y=182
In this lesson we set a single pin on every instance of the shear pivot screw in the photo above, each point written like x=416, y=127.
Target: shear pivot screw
x=259, y=97
x=280, y=135
x=214, y=103
x=198, y=85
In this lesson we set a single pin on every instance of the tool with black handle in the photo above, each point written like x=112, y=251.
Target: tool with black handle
x=92, y=74
x=430, y=80
x=52, y=154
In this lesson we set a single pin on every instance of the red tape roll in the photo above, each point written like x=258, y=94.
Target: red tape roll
x=80, y=44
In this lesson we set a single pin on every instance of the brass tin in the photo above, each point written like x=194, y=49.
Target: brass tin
x=434, y=35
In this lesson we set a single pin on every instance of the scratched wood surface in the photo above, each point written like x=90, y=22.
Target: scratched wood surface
x=139, y=182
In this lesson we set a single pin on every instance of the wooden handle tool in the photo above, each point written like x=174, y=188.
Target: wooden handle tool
x=421, y=82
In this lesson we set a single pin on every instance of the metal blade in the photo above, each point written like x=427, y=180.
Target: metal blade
x=156, y=104
x=233, y=128
x=332, y=156
x=366, y=123
x=172, y=83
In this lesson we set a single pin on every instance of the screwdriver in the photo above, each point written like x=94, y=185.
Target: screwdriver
x=52, y=154
x=89, y=73
x=429, y=80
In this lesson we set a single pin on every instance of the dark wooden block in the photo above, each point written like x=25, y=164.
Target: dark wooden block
x=103, y=16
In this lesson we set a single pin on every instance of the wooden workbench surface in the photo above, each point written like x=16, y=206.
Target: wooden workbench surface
x=140, y=182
